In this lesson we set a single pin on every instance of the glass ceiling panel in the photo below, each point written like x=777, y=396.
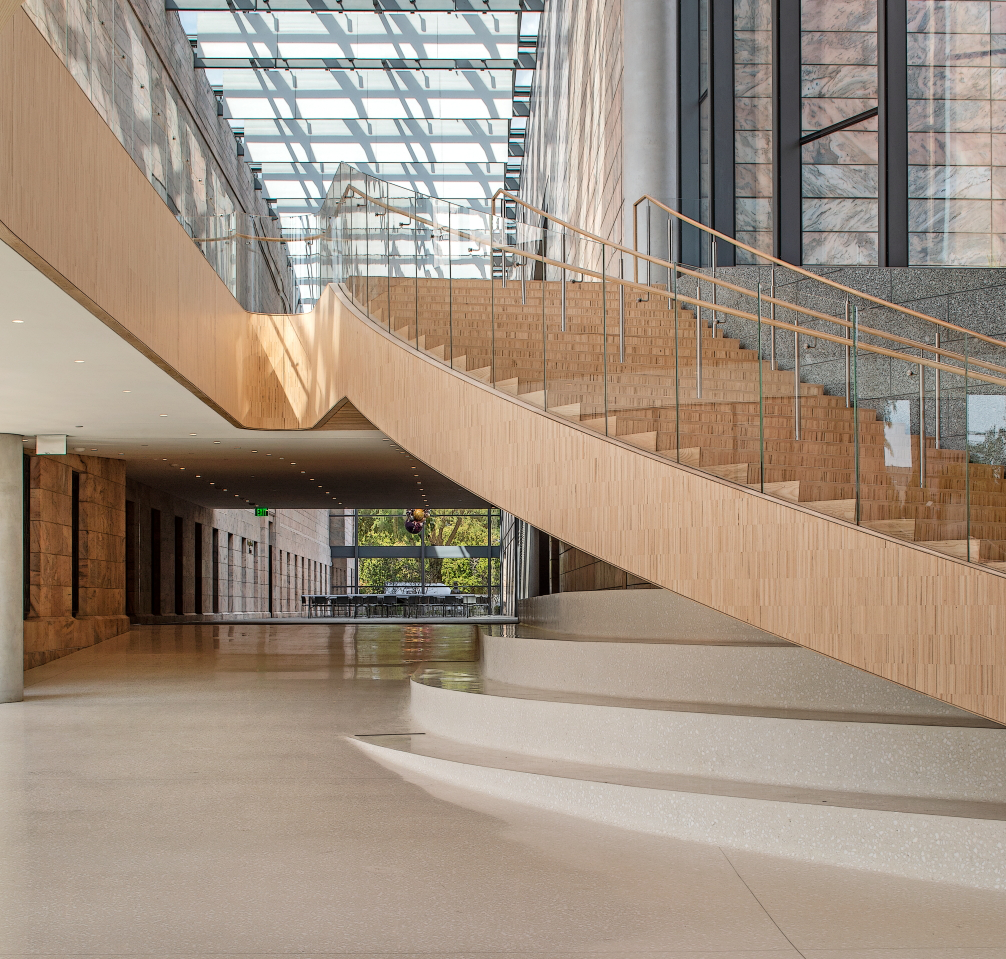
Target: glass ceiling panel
x=445, y=128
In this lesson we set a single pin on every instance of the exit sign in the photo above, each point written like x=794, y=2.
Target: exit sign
x=261, y=510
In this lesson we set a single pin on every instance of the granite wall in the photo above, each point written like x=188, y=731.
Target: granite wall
x=971, y=298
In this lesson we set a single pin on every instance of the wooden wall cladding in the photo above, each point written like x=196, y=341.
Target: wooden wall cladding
x=97, y=228
x=7, y=10
x=51, y=629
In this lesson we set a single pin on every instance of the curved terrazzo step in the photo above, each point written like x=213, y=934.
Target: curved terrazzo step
x=737, y=670
x=955, y=842
x=767, y=747
x=896, y=756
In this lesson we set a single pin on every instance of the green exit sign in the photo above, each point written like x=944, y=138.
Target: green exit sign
x=261, y=510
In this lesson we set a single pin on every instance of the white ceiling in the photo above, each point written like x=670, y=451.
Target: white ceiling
x=63, y=371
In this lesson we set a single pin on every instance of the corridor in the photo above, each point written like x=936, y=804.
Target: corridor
x=193, y=790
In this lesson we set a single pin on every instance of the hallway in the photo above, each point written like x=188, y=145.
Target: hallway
x=191, y=791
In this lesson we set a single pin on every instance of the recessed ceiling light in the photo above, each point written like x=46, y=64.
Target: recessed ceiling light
x=293, y=464
x=192, y=434
x=212, y=483
x=216, y=442
x=303, y=471
x=94, y=449
x=79, y=427
x=163, y=414
x=78, y=361
x=198, y=475
x=225, y=489
x=17, y=321
x=127, y=391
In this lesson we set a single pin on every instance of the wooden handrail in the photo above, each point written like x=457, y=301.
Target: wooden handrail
x=886, y=304
x=971, y=362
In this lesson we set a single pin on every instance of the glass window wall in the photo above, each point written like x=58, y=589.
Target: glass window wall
x=957, y=132
x=839, y=170
x=753, y=124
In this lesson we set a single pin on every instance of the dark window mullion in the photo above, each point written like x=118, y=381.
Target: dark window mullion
x=787, y=124
x=892, y=84
x=721, y=65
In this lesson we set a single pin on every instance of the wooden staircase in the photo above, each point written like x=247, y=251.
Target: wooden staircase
x=496, y=334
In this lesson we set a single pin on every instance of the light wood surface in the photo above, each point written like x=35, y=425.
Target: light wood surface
x=7, y=10
x=97, y=228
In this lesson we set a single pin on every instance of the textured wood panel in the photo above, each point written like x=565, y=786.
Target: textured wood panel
x=7, y=10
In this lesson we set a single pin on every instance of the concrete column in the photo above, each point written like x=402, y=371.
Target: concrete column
x=11, y=569
x=649, y=109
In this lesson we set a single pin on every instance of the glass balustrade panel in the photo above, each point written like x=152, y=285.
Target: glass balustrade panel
x=986, y=453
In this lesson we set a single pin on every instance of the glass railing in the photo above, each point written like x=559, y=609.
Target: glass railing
x=697, y=349
x=270, y=264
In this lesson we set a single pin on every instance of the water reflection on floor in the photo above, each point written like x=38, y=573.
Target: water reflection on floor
x=380, y=652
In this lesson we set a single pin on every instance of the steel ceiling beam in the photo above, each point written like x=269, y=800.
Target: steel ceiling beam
x=524, y=62
x=356, y=6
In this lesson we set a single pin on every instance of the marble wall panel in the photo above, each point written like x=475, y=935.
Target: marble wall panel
x=754, y=214
x=753, y=113
x=848, y=15
x=753, y=80
x=752, y=15
x=949, y=216
x=840, y=215
x=839, y=180
x=999, y=217
x=840, y=249
x=837, y=80
x=753, y=121
x=940, y=49
x=950, y=182
x=952, y=249
x=953, y=16
x=752, y=47
x=999, y=183
x=822, y=112
x=753, y=146
x=938, y=148
x=849, y=146
x=951, y=83
x=818, y=47
x=753, y=179
x=957, y=116
x=760, y=240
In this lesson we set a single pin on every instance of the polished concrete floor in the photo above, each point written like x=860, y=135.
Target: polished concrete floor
x=193, y=791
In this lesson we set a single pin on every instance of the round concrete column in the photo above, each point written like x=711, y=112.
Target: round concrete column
x=11, y=569
x=649, y=108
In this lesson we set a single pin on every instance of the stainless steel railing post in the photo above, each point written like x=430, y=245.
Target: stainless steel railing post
x=621, y=309
x=848, y=359
x=563, y=286
x=936, y=405
x=796, y=377
x=922, y=424
x=714, y=290
x=698, y=341
x=772, y=357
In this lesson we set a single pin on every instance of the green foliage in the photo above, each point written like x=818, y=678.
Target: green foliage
x=444, y=528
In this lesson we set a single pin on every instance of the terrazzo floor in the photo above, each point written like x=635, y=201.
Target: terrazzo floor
x=192, y=791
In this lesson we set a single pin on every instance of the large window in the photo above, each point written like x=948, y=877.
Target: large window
x=753, y=124
x=957, y=132
x=838, y=80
